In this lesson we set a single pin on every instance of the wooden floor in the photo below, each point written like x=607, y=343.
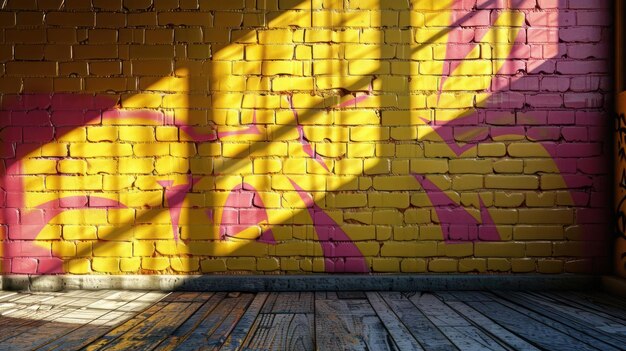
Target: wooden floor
x=127, y=320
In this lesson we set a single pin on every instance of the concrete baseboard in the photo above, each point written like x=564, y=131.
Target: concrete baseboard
x=313, y=282
x=614, y=285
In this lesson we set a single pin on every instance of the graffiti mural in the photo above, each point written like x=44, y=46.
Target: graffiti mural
x=436, y=136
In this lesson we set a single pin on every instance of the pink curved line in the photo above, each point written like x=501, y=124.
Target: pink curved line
x=450, y=212
x=306, y=146
x=355, y=262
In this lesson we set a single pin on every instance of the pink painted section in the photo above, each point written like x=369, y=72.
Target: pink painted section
x=175, y=195
x=335, y=242
x=457, y=224
x=239, y=214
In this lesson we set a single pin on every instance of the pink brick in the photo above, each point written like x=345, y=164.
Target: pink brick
x=597, y=133
x=520, y=51
x=68, y=118
x=580, y=34
x=73, y=202
x=599, y=199
x=9, y=216
x=541, y=66
x=505, y=100
x=50, y=265
x=479, y=33
x=577, y=181
x=592, y=215
x=492, y=4
x=545, y=100
x=252, y=216
x=522, y=4
x=473, y=19
x=459, y=51
x=594, y=18
x=35, y=216
x=511, y=67
x=461, y=35
x=542, y=35
x=582, y=67
x=499, y=83
x=579, y=150
x=586, y=4
x=575, y=133
x=589, y=118
x=463, y=4
x=593, y=165
x=543, y=133
x=553, y=51
x=560, y=84
x=552, y=4
x=551, y=19
x=583, y=100
x=230, y=216
x=39, y=134
x=585, y=83
x=30, y=118
x=602, y=183
x=24, y=249
x=11, y=134
x=21, y=265
x=528, y=83
x=36, y=101
x=565, y=165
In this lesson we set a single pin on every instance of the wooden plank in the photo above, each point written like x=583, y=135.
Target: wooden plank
x=127, y=326
x=420, y=327
x=349, y=325
x=588, y=304
x=400, y=334
x=573, y=328
x=281, y=332
x=490, y=326
x=521, y=317
x=241, y=330
x=6, y=295
x=461, y=332
x=289, y=302
x=91, y=331
x=180, y=334
x=219, y=336
x=199, y=338
x=155, y=328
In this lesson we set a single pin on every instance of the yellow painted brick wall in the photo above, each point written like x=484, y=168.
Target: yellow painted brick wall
x=290, y=136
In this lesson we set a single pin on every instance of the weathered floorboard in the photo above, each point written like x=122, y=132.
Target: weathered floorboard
x=281, y=331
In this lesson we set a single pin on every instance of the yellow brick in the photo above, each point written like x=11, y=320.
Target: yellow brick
x=546, y=216
x=416, y=215
x=87, y=232
x=185, y=264
x=369, y=133
x=465, y=83
x=491, y=149
x=137, y=133
x=442, y=265
x=396, y=183
x=102, y=133
x=499, y=264
x=508, y=166
x=241, y=264
x=113, y=249
x=155, y=263
x=386, y=265
x=467, y=182
x=114, y=182
x=538, y=232
x=404, y=133
x=405, y=118
x=443, y=150
x=523, y=265
x=511, y=182
x=508, y=199
x=64, y=248
x=501, y=249
x=349, y=166
x=100, y=149
x=392, y=217
x=579, y=266
x=144, y=150
x=423, y=166
x=39, y=166
x=540, y=199
x=527, y=150
x=349, y=200
x=456, y=250
x=550, y=266
x=130, y=264
x=78, y=266
x=538, y=249
x=72, y=166
x=470, y=166
x=409, y=249
x=478, y=265
x=106, y=264
x=267, y=264
x=168, y=165
x=213, y=265
x=413, y=265
x=396, y=200
x=361, y=217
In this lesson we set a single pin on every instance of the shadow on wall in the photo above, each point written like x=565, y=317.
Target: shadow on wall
x=447, y=138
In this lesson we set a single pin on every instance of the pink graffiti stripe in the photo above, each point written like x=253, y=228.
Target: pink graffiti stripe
x=175, y=195
x=239, y=213
x=458, y=225
x=328, y=231
x=306, y=145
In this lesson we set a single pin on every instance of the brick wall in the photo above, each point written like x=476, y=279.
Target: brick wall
x=200, y=136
